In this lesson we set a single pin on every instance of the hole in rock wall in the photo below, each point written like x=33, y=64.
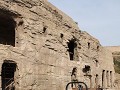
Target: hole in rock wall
x=88, y=45
x=61, y=35
x=44, y=29
x=7, y=29
x=71, y=48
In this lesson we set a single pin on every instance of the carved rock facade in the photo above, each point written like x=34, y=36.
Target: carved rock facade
x=40, y=46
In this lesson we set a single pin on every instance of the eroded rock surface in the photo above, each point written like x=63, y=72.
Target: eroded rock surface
x=44, y=47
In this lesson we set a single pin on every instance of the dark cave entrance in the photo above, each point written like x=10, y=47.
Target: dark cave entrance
x=7, y=29
x=8, y=72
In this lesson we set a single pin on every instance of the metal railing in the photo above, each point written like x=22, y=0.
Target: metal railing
x=10, y=84
x=79, y=85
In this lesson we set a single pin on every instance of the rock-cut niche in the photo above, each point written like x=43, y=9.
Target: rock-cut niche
x=72, y=48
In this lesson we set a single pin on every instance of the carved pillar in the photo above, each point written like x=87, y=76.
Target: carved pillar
x=104, y=81
x=96, y=81
x=108, y=79
x=111, y=81
x=103, y=78
x=90, y=81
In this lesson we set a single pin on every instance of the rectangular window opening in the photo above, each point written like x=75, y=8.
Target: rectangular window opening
x=7, y=29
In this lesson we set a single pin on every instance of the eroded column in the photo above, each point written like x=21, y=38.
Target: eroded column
x=104, y=81
x=111, y=85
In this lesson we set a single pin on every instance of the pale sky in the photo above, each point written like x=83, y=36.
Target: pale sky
x=100, y=18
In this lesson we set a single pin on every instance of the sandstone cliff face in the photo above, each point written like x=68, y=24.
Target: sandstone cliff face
x=42, y=45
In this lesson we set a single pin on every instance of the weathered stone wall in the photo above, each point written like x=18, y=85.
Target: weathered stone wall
x=116, y=57
x=106, y=61
x=41, y=48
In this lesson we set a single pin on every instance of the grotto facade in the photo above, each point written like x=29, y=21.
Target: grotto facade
x=40, y=45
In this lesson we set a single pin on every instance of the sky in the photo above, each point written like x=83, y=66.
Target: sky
x=100, y=18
